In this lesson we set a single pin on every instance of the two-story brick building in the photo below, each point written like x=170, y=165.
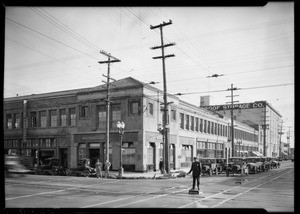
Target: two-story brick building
x=71, y=125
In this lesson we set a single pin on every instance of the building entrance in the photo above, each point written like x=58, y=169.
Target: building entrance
x=63, y=156
x=94, y=154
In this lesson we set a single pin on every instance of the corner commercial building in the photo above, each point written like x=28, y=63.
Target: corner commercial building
x=71, y=125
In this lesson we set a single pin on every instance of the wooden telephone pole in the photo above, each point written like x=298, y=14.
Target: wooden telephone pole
x=165, y=109
x=111, y=59
x=232, y=121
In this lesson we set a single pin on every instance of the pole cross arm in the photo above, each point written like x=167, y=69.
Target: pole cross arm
x=109, y=61
x=166, y=45
x=161, y=57
x=161, y=25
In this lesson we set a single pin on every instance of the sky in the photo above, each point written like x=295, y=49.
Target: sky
x=51, y=49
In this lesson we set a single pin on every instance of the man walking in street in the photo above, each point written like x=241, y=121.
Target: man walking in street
x=106, y=167
x=196, y=169
x=98, y=169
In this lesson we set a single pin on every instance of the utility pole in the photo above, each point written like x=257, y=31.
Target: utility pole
x=165, y=110
x=280, y=133
x=265, y=126
x=288, y=140
x=231, y=112
x=111, y=59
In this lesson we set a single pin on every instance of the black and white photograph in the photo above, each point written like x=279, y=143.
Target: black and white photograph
x=141, y=107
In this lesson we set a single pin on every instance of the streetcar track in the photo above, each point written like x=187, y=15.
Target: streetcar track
x=236, y=195
x=178, y=189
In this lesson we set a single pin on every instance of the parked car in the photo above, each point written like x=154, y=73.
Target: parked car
x=266, y=164
x=275, y=163
x=83, y=168
x=209, y=166
x=237, y=165
x=254, y=164
x=221, y=165
x=14, y=166
x=50, y=166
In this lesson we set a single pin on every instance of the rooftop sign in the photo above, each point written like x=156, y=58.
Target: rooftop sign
x=261, y=104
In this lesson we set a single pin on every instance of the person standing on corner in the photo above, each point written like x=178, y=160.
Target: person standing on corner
x=196, y=169
x=107, y=166
x=99, y=168
x=161, y=166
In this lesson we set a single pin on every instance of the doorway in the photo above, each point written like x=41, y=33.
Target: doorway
x=94, y=154
x=63, y=156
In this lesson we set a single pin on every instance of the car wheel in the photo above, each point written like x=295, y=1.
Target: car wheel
x=37, y=171
x=86, y=173
x=53, y=172
x=68, y=172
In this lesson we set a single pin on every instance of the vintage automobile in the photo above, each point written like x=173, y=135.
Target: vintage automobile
x=50, y=166
x=209, y=166
x=237, y=165
x=13, y=166
x=83, y=168
x=254, y=164
x=274, y=163
x=266, y=163
x=221, y=165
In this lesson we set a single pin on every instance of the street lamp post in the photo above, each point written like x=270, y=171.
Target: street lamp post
x=121, y=127
x=162, y=131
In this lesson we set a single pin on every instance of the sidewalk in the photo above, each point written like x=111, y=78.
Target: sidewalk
x=150, y=175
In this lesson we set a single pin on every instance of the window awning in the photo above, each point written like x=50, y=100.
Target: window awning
x=283, y=153
x=256, y=153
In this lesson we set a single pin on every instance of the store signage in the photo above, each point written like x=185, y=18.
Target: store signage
x=261, y=104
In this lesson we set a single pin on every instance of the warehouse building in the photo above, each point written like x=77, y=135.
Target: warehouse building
x=71, y=125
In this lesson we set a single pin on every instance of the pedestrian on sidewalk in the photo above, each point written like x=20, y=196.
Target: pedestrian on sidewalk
x=106, y=167
x=196, y=169
x=161, y=166
x=99, y=168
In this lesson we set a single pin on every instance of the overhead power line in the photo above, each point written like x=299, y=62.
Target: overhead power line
x=268, y=86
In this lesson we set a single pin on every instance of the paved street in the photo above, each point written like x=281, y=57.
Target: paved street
x=272, y=190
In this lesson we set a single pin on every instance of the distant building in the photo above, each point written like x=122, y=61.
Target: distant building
x=71, y=125
x=262, y=117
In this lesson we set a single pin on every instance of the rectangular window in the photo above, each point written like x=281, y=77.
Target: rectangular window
x=192, y=123
x=63, y=117
x=102, y=116
x=53, y=118
x=33, y=119
x=173, y=112
x=212, y=127
x=208, y=127
x=187, y=122
x=197, y=124
x=9, y=121
x=181, y=120
x=43, y=118
x=204, y=128
x=72, y=116
x=134, y=107
x=116, y=113
x=17, y=121
x=84, y=111
x=150, y=105
x=201, y=125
